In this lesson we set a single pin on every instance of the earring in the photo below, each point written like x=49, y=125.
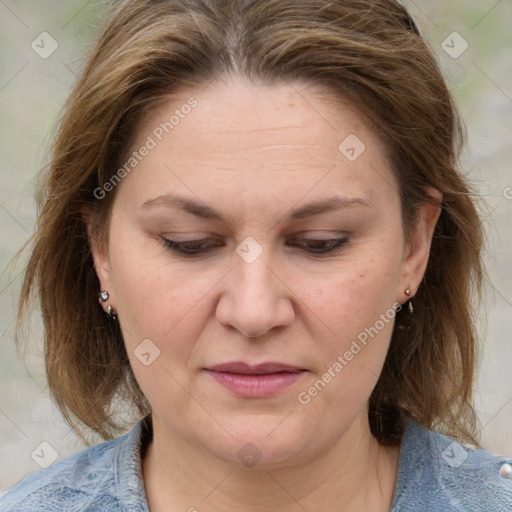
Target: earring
x=103, y=297
x=410, y=306
x=110, y=312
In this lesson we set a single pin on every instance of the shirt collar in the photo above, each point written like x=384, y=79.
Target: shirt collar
x=128, y=468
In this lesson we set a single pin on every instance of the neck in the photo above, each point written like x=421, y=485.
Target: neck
x=356, y=472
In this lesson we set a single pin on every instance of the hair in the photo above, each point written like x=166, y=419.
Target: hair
x=367, y=51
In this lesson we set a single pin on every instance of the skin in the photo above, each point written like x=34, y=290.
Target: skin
x=254, y=154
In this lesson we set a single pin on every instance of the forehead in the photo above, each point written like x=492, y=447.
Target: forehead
x=258, y=142
x=245, y=116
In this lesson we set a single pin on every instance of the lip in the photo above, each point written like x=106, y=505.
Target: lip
x=260, y=369
x=256, y=381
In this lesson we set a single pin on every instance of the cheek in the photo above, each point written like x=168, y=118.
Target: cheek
x=353, y=294
x=154, y=298
x=354, y=318
x=354, y=314
x=159, y=302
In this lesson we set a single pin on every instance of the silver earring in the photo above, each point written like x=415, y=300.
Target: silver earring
x=410, y=306
x=103, y=297
x=110, y=312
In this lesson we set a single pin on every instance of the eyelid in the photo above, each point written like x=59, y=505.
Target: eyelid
x=335, y=245
x=201, y=236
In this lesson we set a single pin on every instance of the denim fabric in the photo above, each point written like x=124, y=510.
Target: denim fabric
x=435, y=474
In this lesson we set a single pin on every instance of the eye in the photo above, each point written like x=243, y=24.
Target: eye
x=190, y=248
x=313, y=246
x=324, y=245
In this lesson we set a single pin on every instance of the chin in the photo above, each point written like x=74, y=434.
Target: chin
x=262, y=442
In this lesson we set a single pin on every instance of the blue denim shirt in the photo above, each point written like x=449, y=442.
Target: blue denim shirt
x=435, y=474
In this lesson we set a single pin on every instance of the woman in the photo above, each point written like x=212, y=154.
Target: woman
x=262, y=197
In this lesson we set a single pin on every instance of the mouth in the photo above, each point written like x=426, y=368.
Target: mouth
x=255, y=381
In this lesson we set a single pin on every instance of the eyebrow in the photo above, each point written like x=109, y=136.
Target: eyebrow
x=202, y=210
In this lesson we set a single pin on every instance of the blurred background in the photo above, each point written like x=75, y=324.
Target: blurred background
x=43, y=45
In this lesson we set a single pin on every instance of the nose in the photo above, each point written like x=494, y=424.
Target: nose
x=255, y=298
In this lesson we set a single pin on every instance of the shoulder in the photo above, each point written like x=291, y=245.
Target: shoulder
x=437, y=473
x=102, y=477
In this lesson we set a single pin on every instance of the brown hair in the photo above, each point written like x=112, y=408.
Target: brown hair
x=368, y=51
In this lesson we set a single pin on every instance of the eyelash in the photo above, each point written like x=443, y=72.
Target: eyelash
x=335, y=245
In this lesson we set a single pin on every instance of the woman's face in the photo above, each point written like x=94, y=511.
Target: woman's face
x=260, y=175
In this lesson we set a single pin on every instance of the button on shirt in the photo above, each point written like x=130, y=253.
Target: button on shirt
x=435, y=474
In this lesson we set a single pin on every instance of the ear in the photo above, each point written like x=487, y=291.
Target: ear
x=98, y=249
x=418, y=250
